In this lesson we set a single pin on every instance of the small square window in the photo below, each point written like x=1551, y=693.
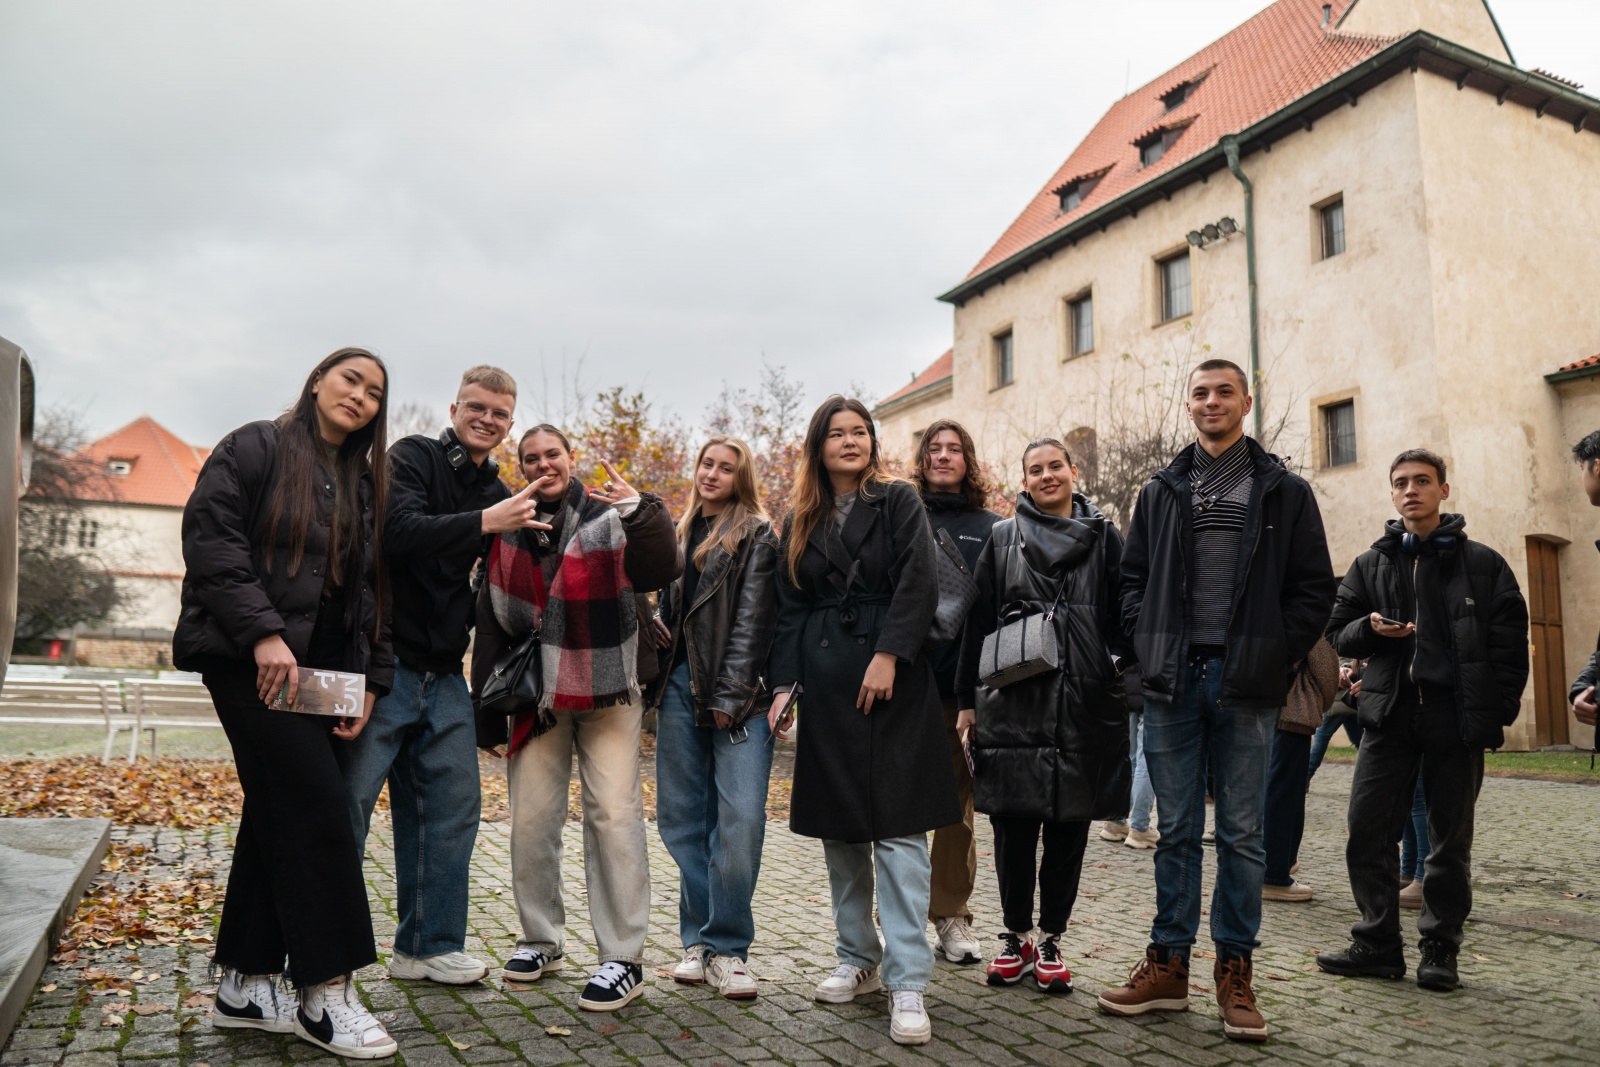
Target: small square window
x=120, y=467
x=1080, y=321
x=1339, y=433
x=1073, y=193
x=1153, y=147
x=1332, y=229
x=1176, y=295
x=1005, y=368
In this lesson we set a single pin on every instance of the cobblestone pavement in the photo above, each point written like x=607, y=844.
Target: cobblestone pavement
x=1531, y=967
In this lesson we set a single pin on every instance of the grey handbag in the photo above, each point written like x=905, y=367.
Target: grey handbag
x=957, y=590
x=1021, y=648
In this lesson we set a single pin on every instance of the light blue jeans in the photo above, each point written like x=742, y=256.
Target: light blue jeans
x=1143, y=797
x=422, y=741
x=711, y=811
x=1182, y=740
x=904, y=873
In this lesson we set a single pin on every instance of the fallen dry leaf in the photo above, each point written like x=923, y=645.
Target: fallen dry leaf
x=461, y=1045
x=113, y=1021
x=117, y=1007
x=197, y=1000
x=607, y=1028
x=150, y=1009
x=1481, y=959
x=51, y=988
x=558, y=1031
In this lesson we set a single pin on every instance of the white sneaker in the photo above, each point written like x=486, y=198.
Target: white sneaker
x=528, y=963
x=692, y=971
x=331, y=1018
x=1142, y=838
x=252, y=1002
x=731, y=977
x=846, y=983
x=448, y=968
x=956, y=940
x=908, y=1019
x=1113, y=831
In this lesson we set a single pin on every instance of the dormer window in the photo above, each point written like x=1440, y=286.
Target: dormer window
x=1074, y=193
x=1154, y=145
x=119, y=467
x=1175, y=97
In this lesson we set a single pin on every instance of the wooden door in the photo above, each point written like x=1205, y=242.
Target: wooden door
x=1545, y=633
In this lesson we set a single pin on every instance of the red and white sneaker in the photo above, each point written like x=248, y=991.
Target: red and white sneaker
x=1050, y=970
x=1016, y=959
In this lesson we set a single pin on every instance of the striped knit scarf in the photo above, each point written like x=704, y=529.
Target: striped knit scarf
x=588, y=623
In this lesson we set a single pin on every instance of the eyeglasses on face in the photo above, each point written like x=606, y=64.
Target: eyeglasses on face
x=478, y=411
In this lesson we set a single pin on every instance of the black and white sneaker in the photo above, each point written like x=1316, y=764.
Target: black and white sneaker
x=252, y=1002
x=614, y=985
x=529, y=963
x=332, y=1018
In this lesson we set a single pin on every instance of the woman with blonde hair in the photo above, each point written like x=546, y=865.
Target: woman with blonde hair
x=857, y=590
x=715, y=629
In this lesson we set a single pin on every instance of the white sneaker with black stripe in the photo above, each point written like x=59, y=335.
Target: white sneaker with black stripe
x=252, y=1002
x=332, y=1018
x=529, y=963
x=613, y=986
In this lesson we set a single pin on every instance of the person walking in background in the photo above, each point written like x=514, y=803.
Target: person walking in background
x=1226, y=584
x=576, y=585
x=956, y=494
x=1051, y=749
x=713, y=759
x=1414, y=847
x=1342, y=714
x=445, y=501
x=1316, y=683
x=1444, y=629
x=282, y=551
x=857, y=592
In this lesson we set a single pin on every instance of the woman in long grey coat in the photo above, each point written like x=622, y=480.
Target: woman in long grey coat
x=857, y=591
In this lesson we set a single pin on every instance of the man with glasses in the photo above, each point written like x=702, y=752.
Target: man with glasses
x=445, y=499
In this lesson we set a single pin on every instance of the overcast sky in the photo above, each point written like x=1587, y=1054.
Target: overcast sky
x=199, y=200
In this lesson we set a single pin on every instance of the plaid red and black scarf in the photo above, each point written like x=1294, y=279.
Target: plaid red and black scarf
x=588, y=624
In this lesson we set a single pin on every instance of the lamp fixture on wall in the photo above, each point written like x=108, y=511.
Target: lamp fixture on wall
x=1220, y=230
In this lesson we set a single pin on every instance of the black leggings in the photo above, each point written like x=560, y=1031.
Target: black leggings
x=295, y=889
x=1015, y=844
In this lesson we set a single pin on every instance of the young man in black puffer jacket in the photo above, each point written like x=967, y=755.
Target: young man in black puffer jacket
x=1444, y=629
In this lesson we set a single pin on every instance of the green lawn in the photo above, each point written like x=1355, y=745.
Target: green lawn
x=1562, y=766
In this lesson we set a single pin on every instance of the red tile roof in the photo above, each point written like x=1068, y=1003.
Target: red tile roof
x=1261, y=67
x=163, y=471
x=1582, y=364
x=937, y=371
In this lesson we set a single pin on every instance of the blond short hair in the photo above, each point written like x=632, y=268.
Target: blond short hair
x=491, y=378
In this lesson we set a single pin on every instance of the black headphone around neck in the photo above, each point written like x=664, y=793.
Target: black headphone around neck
x=457, y=457
x=1411, y=544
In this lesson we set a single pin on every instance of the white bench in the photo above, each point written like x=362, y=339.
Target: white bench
x=175, y=704
x=66, y=702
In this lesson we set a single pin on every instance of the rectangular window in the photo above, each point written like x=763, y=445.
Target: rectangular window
x=88, y=533
x=1339, y=433
x=1176, y=295
x=60, y=531
x=1080, y=319
x=1005, y=369
x=1333, y=229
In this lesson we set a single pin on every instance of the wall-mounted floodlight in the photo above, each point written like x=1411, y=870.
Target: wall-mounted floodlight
x=1197, y=239
x=1220, y=230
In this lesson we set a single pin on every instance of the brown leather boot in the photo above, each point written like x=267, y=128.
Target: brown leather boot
x=1160, y=982
x=1237, y=999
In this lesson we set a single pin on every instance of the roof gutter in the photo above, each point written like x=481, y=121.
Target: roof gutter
x=1230, y=149
x=1573, y=375
x=1294, y=114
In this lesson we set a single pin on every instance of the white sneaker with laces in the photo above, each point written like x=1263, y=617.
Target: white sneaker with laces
x=956, y=940
x=846, y=983
x=448, y=968
x=692, y=971
x=332, y=1018
x=730, y=976
x=908, y=1019
x=252, y=1002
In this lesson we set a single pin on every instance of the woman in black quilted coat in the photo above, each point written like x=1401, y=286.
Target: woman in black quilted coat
x=1051, y=750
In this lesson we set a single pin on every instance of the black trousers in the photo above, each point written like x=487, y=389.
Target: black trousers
x=1284, y=821
x=295, y=889
x=1016, y=843
x=1426, y=737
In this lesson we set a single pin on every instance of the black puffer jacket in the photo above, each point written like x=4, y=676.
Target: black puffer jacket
x=728, y=628
x=968, y=528
x=1283, y=589
x=1475, y=590
x=230, y=599
x=1590, y=675
x=1054, y=746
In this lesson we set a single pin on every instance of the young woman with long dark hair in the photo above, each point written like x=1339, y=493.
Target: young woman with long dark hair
x=857, y=591
x=1052, y=749
x=712, y=758
x=282, y=556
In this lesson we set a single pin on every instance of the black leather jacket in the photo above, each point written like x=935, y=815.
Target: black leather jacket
x=729, y=627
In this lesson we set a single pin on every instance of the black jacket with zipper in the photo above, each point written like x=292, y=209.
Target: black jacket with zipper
x=1283, y=587
x=1449, y=584
x=728, y=630
x=968, y=528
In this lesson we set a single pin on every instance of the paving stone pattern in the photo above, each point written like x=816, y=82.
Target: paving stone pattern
x=1531, y=967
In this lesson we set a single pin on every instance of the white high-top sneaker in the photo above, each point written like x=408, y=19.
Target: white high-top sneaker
x=252, y=1002
x=908, y=1018
x=332, y=1018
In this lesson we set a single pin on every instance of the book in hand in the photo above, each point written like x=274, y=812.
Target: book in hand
x=324, y=693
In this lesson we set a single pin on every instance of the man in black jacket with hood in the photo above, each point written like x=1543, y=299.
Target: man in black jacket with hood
x=1444, y=630
x=1226, y=584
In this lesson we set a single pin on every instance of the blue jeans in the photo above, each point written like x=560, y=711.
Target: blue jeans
x=1414, y=843
x=1143, y=797
x=1182, y=740
x=711, y=811
x=1284, y=822
x=421, y=739
x=1330, y=726
x=904, y=871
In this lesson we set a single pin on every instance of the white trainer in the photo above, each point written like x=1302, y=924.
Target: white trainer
x=332, y=1018
x=448, y=968
x=846, y=983
x=908, y=1019
x=692, y=971
x=731, y=977
x=957, y=941
x=1142, y=838
x=252, y=1002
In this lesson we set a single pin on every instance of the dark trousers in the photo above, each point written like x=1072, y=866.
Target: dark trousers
x=1415, y=738
x=295, y=889
x=1284, y=823
x=1016, y=843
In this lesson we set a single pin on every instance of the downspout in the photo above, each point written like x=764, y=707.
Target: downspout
x=1230, y=148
